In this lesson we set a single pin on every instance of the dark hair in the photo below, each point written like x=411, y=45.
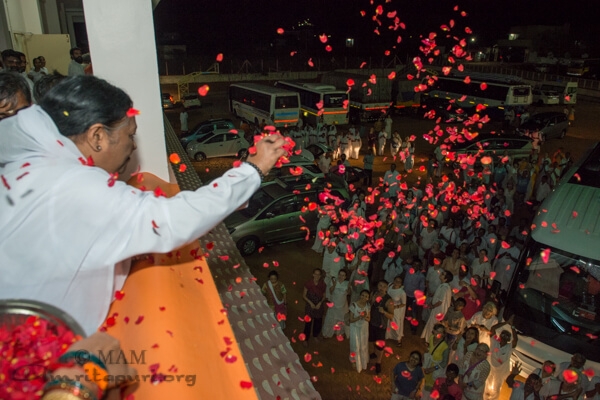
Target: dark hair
x=448, y=275
x=460, y=300
x=9, y=53
x=452, y=368
x=365, y=291
x=476, y=333
x=45, y=83
x=11, y=83
x=274, y=273
x=417, y=353
x=73, y=50
x=79, y=102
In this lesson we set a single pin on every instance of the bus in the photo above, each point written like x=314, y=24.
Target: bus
x=320, y=103
x=567, y=91
x=494, y=91
x=584, y=67
x=554, y=293
x=259, y=103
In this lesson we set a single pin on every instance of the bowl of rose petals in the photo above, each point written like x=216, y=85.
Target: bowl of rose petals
x=33, y=335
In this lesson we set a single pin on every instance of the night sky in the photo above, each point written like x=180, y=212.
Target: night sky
x=244, y=26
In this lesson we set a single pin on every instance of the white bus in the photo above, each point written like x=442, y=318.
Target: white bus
x=320, y=103
x=554, y=293
x=567, y=91
x=495, y=92
x=257, y=103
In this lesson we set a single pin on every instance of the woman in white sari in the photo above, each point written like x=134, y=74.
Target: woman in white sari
x=337, y=294
x=359, y=331
x=395, y=329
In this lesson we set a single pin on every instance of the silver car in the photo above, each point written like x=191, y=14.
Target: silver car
x=549, y=125
x=221, y=143
x=278, y=212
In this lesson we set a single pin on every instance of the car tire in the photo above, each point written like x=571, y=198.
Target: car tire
x=199, y=156
x=563, y=133
x=248, y=245
x=243, y=153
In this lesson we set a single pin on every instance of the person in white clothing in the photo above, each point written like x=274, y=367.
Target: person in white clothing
x=396, y=291
x=59, y=162
x=499, y=358
x=381, y=139
x=530, y=390
x=388, y=127
x=442, y=299
x=183, y=119
x=360, y=314
x=337, y=293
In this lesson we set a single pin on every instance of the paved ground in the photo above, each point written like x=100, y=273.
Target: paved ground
x=329, y=366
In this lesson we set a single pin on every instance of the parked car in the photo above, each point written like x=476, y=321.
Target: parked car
x=167, y=100
x=489, y=145
x=274, y=213
x=546, y=97
x=191, y=100
x=204, y=128
x=434, y=108
x=221, y=143
x=549, y=125
x=353, y=174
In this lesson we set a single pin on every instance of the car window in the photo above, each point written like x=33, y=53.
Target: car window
x=206, y=129
x=215, y=139
x=257, y=202
x=282, y=206
x=223, y=125
x=231, y=136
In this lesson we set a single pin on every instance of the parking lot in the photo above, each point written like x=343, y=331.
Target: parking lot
x=333, y=375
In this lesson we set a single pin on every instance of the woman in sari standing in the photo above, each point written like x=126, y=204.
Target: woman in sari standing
x=276, y=295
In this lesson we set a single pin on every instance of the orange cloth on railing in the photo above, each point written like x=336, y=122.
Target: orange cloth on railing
x=177, y=326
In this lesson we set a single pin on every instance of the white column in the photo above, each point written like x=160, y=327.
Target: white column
x=123, y=51
x=22, y=18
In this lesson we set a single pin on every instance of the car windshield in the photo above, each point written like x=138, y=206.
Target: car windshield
x=257, y=202
x=556, y=299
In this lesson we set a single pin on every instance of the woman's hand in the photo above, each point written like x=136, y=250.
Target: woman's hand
x=268, y=150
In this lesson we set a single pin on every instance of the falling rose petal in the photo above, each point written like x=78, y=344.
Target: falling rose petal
x=350, y=82
x=483, y=85
x=245, y=384
x=296, y=171
x=139, y=320
x=492, y=275
x=392, y=75
x=280, y=31
x=182, y=168
x=434, y=395
x=575, y=214
x=224, y=258
x=414, y=322
x=311, y=63
x=119, y=294
x=230, y=358
x=439, y=316
x=219, y=57
x=323, y=38
x=307, y=357
x=545, y=254
x=420, y=297
x=570, y=376
x=174, y=158
x=330, y=304
x=301, y=337
x=406, y=374
x=575, y=269
x=203, y=90
x=328, y=48
x=380, y=343
x=588, y=372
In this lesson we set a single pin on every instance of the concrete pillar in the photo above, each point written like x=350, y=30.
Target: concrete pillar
x=23, y=16
x=123, y=51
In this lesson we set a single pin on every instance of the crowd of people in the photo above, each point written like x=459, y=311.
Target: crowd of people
x=21, y=87
x=434, y=259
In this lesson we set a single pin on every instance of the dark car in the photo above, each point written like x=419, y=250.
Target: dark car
x=489, y=145
x=449, y=112
x=204, y=128
x=549, y=125
x=279, y=212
